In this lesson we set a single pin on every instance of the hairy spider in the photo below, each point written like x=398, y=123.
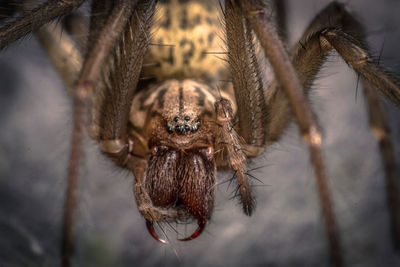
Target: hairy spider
x=192, y=156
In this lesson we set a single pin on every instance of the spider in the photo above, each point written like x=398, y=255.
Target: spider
x=179, y=131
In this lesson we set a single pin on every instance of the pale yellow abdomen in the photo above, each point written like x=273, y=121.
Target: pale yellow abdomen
x=187, y=42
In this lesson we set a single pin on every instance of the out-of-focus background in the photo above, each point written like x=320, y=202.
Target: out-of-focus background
x=287, y=227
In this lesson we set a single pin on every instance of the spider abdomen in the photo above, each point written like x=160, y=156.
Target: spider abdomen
x=185, y=38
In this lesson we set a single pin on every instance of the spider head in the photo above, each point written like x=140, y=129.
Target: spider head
x=182, y=125
x=175, y=118
x=180, y=171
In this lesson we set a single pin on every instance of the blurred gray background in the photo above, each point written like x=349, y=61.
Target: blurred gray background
x=287, y=227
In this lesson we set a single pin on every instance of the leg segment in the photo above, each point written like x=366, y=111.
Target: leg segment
x=237, y=159
x=246, y=76
x=285, y=73
x=280, y=18
x=373, y=74
x=357, y=57
x=381, y=132
x=77, y=26
x=308, y=56
x=35, y=19
x=62, y=51
x=120, y=84
x=89, y=75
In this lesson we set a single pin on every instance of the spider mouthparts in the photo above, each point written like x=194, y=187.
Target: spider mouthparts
x=201, y=226
x=153, y=233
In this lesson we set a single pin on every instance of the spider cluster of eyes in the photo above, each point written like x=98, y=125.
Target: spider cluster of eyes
x=183, y=128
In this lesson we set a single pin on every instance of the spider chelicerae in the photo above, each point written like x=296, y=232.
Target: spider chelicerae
x=305, y=155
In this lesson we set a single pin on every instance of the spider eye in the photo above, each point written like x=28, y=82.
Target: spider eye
x=176, y=119
x=196, y=126
x=169, y=127
x=179, y=129
x=187, y=118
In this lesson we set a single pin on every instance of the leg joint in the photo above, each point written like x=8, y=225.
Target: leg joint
x=313, y=136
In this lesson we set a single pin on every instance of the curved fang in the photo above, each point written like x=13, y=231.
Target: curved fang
x=201, y=226
x=153, y=233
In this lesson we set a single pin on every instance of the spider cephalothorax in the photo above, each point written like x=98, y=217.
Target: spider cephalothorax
x=177, y=135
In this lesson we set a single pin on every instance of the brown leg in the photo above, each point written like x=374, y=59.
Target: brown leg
x=77, y=26
x=98, y=17
x=62, y=51
x=280, y=18
x=309, y=55
x=373, y=74
x=357, y=57
x=120, y=85
x=286, y=75
x=380, y=130
x=118, y=91
x=246, y=76
x=59, y=46
x=89, y=75
x=35, y=19
x=230, y=140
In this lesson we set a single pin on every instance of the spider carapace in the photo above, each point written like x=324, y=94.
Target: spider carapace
x=173, y=123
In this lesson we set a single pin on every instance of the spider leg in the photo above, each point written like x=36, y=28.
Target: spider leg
x=309, y=55
x=248, y=88
x=373, y=74
x=236, y=157
x=61, y=46
x=89, y=75
x=255, y=12
x=246, y=76
x=306, y=64
x=358, y=58
x=63, y=52
x=380, y=130
x=34, y=19
x=281, y=18
x=77, y=26
x=119, y=88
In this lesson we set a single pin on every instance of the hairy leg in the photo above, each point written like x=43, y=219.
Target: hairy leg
x=34, y=19
x=247, y=84
x=335, y=28
x=381, y=132
x=280, y=18
x=286, y=76
x=90, y=73
x=229, y=140
x=63, y=52
x=308, y=56
x=246, y=76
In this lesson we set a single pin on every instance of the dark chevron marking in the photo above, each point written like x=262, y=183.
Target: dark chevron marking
x=201, y=97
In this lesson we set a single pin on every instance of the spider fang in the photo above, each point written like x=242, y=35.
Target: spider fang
x=201, y=226
x=152, y=232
